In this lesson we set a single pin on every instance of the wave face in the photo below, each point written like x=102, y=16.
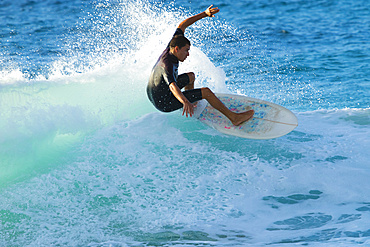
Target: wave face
x=85, y=159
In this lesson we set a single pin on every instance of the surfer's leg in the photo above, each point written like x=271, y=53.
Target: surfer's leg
x=235, y=118
x=190, y=86
x=186, y=81
x=171, y=103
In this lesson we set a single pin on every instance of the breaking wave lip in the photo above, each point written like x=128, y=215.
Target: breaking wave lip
x=11, y=77
x=93, y=86
x=42, y=118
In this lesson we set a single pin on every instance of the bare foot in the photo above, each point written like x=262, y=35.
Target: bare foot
x=242, y=117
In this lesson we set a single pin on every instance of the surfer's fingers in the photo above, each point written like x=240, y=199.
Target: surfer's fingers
x=185, y=111
x=211, y=11
x=191, y=111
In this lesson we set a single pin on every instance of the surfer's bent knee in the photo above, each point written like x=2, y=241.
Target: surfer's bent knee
x=206, y=92
x=191, y=77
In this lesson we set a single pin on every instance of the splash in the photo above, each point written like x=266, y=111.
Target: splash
x=100, y=80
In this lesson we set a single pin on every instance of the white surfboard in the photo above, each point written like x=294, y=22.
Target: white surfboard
x=269, y=120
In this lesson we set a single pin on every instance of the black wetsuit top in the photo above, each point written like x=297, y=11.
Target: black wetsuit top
x=164, y=72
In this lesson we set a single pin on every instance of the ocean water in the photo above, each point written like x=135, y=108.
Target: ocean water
x=85, y=159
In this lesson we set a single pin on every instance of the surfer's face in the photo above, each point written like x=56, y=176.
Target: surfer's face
x=182, y=53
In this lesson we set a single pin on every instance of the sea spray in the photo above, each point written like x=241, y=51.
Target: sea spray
x=100, y=80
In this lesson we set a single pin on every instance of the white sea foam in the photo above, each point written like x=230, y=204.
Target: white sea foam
x=163, y=176
x=11, y=76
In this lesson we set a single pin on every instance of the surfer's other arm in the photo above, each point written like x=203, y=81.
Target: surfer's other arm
x=209, y=12
x=188, y=107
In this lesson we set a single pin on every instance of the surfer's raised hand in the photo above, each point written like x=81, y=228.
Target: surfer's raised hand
x=211, y=11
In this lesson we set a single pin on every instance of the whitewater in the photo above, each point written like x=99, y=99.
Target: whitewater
x=86, y=160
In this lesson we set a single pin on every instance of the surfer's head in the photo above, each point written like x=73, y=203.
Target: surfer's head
x=180, y=47
x=180, y=41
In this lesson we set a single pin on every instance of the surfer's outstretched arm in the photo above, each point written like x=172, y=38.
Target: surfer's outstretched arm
x=210, y=12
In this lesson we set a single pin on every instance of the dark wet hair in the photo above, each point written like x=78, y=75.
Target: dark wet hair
x=180, y=41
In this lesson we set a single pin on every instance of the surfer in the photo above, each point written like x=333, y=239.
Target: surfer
x=164, y=87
